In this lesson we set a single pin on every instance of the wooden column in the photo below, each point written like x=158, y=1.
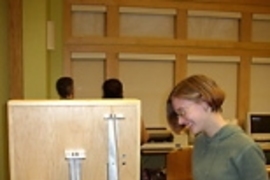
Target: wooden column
x=15, y=49
x=243, y=90
x=181, y=25
x=245, y=27
x=112, y=19
x=180, y=68
x=111, y=66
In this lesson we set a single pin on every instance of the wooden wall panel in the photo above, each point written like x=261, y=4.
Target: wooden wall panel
x=243, y=90
x=147, y=36
x=87, y=69
x=147, y=25
x=213, y=28
x=94, y=27
x=224, y=73
x=88, y=20
x=149, y=81
x=259, y=85
x=261, y=29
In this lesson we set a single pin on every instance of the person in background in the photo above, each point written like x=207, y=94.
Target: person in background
x=65, y=88
x=113, y=88
x=221, y=151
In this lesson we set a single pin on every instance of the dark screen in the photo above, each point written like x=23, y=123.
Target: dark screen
x=260, y=123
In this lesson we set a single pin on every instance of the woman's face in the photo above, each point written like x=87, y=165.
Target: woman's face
x=191, y=114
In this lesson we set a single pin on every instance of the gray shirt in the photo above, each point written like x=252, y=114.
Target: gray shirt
x=229, y=155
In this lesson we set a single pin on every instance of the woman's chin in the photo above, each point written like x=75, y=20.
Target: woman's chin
x=193, y=130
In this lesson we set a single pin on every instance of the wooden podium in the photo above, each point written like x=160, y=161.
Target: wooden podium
x=42, y=132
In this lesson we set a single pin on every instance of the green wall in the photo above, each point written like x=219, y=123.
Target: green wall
x=41, y=67
x=3, y=89
x=55, y=14
x=34, y=49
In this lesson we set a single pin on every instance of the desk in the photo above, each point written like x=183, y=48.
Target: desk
x=179, y=164
x=157, y=148
x=154, y=157
x=176, y=161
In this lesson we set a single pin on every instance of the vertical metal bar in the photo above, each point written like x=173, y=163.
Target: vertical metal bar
x=77, y=169
x=74, y=158
x=72, y=175
x=112, y=149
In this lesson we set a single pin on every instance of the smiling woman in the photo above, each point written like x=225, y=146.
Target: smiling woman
x=221, y=150
x=196, y=90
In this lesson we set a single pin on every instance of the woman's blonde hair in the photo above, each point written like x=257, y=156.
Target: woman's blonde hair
x=197, y=88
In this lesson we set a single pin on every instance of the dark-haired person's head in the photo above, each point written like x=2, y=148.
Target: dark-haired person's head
x=112, y=88
x=65, y=87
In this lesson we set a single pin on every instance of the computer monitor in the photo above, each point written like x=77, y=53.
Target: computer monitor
x=258, y=125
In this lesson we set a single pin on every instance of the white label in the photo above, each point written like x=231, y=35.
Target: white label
x=75, y=154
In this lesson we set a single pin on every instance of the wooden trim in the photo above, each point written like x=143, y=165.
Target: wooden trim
x=91, y=8
x=155, y=11
x=146, y=49
x=169, y=43
x=195, y=54
x=180, y=68
x=261, y=16
x=15, y=49
x=67, y=62
x=147, y=57
x=245, y=30
x=247, y=2
x=181, y=25
x=261, y=60
x=78, y=102
x=227, y=59
x=88, y=55
x=243, y=90
x=112, y=20
x=168, y=4
x=201, y=13
x=112, y=66
x=119, y=48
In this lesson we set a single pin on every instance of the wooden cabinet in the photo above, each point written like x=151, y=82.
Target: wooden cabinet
x=40, y=132
x=179, y=164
